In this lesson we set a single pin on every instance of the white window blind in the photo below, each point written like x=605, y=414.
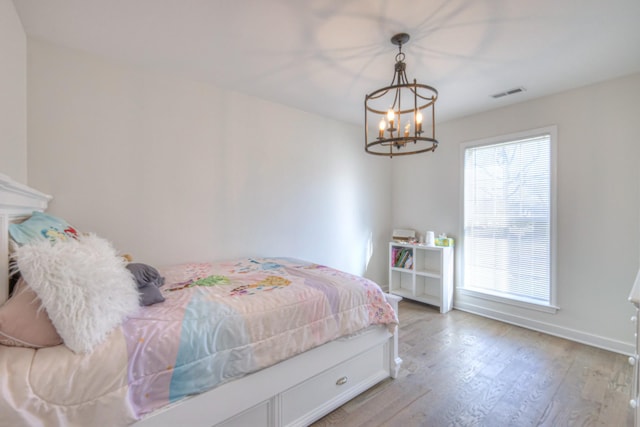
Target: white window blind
x=507, y=219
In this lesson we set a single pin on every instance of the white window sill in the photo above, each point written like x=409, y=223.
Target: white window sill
x=516, y=302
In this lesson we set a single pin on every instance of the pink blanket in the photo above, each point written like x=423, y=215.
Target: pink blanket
x=220, y=321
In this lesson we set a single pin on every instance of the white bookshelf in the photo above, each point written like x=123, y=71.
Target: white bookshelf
x=427, y=276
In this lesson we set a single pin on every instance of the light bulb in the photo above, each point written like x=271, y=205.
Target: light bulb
x=382, y=125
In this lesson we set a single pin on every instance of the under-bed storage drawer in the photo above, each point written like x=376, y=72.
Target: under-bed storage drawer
x=257, y=416
x=309, y=401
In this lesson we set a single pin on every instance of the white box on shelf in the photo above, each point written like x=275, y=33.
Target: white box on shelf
x=401, y=235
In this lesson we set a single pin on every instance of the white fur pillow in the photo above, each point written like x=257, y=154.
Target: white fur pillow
x=84, y=286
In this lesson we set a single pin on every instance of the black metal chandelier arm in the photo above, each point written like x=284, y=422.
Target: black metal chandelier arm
x=391, y=153
x=434, y=92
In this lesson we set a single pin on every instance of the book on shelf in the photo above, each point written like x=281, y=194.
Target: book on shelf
x=408, y=264
x=402, y=258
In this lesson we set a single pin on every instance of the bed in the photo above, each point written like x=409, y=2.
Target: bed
x=323, y=337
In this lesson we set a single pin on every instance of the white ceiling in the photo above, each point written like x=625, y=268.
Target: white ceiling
x=323, y=56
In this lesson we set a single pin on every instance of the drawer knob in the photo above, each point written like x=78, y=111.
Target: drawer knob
x=634, y=318
x=633, y=403
x=341, y=381
x=632, y=360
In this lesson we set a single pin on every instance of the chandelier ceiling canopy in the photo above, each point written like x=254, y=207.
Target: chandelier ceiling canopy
x=399, y=119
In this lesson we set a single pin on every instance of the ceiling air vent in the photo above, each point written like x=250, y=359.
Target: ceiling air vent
x=508, y=92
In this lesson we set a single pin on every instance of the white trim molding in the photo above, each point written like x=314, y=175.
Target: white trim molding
x=552, y=309
x=548, y=328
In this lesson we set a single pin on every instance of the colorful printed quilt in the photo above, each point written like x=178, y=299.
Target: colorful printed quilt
x=219, y=321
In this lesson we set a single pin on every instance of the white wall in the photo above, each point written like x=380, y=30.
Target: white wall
x=173, y=170
x=598, y=204
x=13, y=94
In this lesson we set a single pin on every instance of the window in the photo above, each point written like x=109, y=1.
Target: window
x=508, y=244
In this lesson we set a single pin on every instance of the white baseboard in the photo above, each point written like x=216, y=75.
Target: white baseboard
x=548, y=328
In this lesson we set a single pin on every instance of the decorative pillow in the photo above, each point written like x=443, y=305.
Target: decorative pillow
x=83, y=284
x=24, y=323
x=148, y=280
x=41, y=226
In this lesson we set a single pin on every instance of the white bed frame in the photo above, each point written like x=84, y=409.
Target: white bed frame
x=17, y=201
x=295, y=392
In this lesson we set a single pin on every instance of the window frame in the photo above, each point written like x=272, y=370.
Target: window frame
x=552, y=306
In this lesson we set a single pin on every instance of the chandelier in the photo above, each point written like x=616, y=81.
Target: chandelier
x=401, y=115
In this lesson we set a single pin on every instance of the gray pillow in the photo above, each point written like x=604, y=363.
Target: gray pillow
x=149, y=280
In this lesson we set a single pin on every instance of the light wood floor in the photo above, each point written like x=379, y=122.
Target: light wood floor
x=464, y=370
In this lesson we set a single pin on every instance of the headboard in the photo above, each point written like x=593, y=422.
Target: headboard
x=17, y=201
